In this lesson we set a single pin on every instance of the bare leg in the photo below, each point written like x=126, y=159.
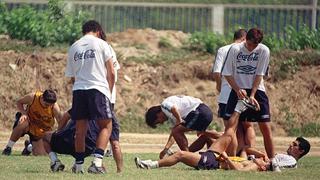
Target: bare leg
x=265, y=129
x=188, y=158
x=250, y=135
x=38, y=148
x=199, y=143
x=117, y=155
x=180, y=137
x=80, y=135
x=19, y=130
x=104, y=134
x=224, y=141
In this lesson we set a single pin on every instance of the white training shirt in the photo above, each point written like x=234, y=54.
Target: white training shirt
x=286, y=161
x=184, y=105
x=244, y=65
x=86, y=63
x=116, y=67
x=217, y=68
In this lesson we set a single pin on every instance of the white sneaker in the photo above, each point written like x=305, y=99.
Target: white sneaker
x=56, y=166
x=243, y=105
x=142, y=164
x=76, y=170
x=275, y=166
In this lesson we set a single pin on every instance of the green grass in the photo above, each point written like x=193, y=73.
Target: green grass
x=19, y=167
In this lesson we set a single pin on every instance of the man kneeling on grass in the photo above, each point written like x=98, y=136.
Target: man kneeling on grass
x=215, y=157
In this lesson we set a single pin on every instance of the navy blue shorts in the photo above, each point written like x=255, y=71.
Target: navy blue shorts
x=115, y=133
x=62, y=142
x=208, y=161
x=90, y=104
x=221, y=110
x=250, y=115
x=199, y=119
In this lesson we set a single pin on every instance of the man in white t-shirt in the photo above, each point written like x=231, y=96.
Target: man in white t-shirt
x=91, y=68
x=244, y=70
x=184, y=113
x=224, y=89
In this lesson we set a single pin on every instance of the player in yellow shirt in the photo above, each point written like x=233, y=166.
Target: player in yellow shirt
x=37, y=114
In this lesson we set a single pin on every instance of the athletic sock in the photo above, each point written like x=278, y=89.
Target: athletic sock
x=53, y=156
x=98, y=156
x=10, y=144
x=154, y=164
x=79, y=156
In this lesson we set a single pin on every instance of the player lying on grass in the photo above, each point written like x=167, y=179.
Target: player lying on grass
x=62, y=142
x=215, y=157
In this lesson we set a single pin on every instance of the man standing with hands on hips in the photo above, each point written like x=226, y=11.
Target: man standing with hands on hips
x=91, y=68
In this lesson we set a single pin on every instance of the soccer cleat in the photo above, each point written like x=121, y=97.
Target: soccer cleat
x=56, y=166
x=142, y=164
x=7, y=151
x=108, y=153
x=77, y=171
x=25, y=151
x=96, y=170
x=243, y=105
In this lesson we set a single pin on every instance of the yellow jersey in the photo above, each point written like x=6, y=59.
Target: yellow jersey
x=41, y=119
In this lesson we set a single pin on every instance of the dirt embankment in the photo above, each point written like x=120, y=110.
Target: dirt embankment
x=295, y=100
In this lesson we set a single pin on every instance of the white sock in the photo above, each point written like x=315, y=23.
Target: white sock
x=29, y=147
x=154, y=164
x=10, y=143
x=53, y=156
x=78, y=167
x=97, y=161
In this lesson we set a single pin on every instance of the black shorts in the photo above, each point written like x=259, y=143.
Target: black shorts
x=90, y=104
x=199, y=119
x=250, y=115
x=208, y=161
x=62, y=142
x=221, y=110
x=115, y=133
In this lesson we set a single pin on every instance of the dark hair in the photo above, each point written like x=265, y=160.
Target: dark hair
x=255, y=35
x=91, y=26
x=239, y=34
x=49, y=96
x=151, y=115
x=303, y=145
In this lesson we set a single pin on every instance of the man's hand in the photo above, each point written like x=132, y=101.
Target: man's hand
x=241, y=93
x=163, y=153
x=255, y=102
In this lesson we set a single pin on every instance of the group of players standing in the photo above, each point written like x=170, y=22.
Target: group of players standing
x=87, y=127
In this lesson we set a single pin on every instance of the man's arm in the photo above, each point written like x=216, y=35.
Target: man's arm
x=110, y=74
x=241, y=93
x=217, y=78
x=168, y=145
x=177, y=115
x=26, y=100
x=58, y=115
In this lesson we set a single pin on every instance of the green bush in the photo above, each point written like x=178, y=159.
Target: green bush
x=44, y=28
x=303, y=39
x=206, y=42
x=3, y=15
x=309, y=130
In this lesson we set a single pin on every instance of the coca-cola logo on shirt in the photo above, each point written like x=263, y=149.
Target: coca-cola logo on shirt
x=248, y=57
x=84, y=55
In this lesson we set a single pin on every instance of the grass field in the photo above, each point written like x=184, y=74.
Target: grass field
x=20, y=167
